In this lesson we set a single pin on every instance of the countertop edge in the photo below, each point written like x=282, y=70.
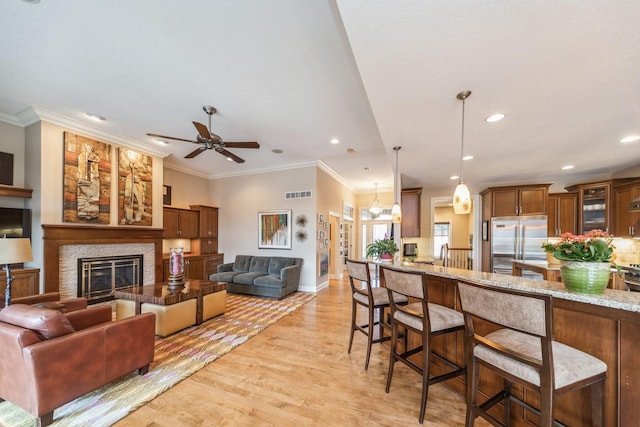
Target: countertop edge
x=616, y=299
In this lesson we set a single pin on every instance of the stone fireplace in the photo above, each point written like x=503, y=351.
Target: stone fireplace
x=65, y=245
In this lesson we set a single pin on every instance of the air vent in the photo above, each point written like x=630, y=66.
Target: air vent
x=298, y=194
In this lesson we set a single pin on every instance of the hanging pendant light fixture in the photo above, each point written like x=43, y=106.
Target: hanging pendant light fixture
x=462, y=197
x=396, y=213
x=375, y=207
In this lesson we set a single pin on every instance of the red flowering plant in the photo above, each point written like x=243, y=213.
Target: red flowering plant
x=594, y=246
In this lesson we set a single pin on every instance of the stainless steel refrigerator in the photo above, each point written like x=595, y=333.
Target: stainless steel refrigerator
x=519, y=238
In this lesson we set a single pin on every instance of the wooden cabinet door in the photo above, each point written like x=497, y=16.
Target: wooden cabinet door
x=25, y=282
x=410, y=205
x=552, y=215
x=170, y=223
x=505, y=202
x=626, y=224
x=194, y=268
x=188, y=224
x=562, y=214
x=532, y=201
x=595, y=207
x=567, y=213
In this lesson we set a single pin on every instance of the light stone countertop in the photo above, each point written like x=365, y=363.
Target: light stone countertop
x=621, y=300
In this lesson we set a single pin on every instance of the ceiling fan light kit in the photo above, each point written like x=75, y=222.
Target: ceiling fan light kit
x=210, y=141
x=461, y=196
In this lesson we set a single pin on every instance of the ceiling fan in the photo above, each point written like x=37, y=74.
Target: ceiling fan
x=210, y=141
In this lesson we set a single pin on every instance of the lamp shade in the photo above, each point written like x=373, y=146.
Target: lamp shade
x=15, y=250
x=461, y=199
x=396, y=214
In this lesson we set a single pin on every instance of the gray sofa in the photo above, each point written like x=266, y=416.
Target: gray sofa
x=273, y=277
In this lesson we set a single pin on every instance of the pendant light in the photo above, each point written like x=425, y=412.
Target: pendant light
x=462, y=197
x=375, y=207
x=396, y=213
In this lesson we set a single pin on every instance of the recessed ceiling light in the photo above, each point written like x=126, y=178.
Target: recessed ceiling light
x=567, y=167
x=277, y=151
x=454, y=177
x=160, y=141
x=335, y=141
x=230, y=159
x=469, y=157
x=630, y=138
x=495, y=118
x=96, y=117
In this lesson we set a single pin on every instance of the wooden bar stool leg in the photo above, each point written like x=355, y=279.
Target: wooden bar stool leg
x=353, y=324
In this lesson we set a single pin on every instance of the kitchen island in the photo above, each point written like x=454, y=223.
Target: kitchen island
x=606, y=326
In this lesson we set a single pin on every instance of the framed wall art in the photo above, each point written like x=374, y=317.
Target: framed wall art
x=135, y=192
x=274, y=229
x=87, y=180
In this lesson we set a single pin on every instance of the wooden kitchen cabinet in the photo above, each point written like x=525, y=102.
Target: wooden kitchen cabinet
x=179, y=223
x=562, y=214
x=208, y=230
x=626, y=224
x=410, y=206
x=518, y=200
x=25, y=282
x=196, y=267
x=208, y=222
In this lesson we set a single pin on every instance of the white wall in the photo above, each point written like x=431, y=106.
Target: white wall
x=241, y=198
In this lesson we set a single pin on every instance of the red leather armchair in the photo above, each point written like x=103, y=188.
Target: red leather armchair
x=49, y=358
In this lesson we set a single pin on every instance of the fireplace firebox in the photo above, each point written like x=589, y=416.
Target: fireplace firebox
x=99, y=277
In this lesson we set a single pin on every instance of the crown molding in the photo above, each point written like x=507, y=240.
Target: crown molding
x=34, y=114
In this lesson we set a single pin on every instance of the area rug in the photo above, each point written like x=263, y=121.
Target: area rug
x=176, y=357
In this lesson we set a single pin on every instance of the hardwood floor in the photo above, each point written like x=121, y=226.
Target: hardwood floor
x=298, y=372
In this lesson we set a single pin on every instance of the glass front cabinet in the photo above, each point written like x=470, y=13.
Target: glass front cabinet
x=594, y=206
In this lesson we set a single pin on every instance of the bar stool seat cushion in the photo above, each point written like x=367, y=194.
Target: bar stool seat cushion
x=570, y=365
x=441, y=317
x=380, y=297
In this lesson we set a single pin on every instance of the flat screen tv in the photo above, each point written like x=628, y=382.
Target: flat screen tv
x=15, y=222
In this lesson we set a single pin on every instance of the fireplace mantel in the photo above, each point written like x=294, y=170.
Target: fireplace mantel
x=55, y=236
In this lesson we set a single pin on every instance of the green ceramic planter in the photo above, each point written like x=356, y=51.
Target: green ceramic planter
x=585, y=277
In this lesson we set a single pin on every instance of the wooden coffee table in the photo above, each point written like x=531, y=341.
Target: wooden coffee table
x=161, y=294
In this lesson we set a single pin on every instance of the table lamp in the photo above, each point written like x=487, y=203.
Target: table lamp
x=13, y=251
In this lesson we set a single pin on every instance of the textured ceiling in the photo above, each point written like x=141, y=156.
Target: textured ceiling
x=294, y=74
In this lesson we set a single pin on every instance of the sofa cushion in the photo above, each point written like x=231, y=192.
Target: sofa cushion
x=246, y=278
x=45, y=322
x=260, y=264
x=242, y=263
x=226, y=276
x=269, y=281
x=278, y=263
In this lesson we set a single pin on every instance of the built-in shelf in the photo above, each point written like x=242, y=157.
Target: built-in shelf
x=9, y=191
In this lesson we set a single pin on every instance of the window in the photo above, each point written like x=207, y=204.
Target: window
x=440, y=237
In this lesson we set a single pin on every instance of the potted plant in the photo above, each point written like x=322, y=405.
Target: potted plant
x=585, y=260
x=382, y=248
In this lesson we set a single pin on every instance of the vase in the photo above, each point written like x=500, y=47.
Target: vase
x=386, y=257
x=585, y=277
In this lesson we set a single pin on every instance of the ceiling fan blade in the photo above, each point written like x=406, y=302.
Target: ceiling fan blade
x=202, y=130
x=230, y=155
x=242, y=144
x=195, y=152
x=170, y=137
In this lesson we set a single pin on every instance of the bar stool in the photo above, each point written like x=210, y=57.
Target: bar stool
x=523, y=351
x=373, y=299
x=423, y=318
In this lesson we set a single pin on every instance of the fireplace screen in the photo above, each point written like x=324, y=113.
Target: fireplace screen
x=98, y=278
